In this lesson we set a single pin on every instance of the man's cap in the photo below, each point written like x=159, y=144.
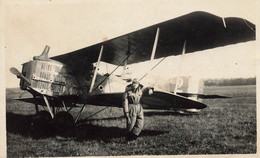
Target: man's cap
x=135, y=80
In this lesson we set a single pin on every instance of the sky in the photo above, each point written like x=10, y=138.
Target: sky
x=233, y=61
x=67, y=26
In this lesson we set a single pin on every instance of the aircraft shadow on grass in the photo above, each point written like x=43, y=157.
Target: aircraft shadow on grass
x=25, y=125
x=146, y=113
x=100, y=119
x=168, y=113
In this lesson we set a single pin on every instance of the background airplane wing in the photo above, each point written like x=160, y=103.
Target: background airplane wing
x=201, y=30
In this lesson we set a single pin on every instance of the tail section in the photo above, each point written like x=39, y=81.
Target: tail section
x=189, y=85
x=192, y=88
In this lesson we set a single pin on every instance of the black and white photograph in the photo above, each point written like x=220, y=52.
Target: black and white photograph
x=129, y=78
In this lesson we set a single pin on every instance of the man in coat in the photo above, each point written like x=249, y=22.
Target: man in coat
x=133, y=110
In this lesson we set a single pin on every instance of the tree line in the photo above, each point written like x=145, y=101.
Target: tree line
x=230, y=82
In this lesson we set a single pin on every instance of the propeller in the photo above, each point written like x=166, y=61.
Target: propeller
x=19, y=75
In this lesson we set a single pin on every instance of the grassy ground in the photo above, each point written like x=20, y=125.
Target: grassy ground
x=226, y=126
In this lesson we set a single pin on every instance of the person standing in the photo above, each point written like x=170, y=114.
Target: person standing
x=133, y=110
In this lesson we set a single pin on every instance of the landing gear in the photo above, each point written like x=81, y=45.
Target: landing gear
x=41, y=124
x=64, y=120
x=44, y=116
x=55, y=119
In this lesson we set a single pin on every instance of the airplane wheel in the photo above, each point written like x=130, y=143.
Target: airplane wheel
x=44, y=116
x=63, y=121
x=40, y=124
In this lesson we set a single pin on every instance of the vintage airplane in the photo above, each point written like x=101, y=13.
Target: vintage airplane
x=66, y=81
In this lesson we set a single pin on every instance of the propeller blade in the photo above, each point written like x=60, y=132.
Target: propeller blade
x=19, y=75
x=14, y=71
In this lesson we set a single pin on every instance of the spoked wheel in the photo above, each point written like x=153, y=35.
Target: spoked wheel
x=63, y=121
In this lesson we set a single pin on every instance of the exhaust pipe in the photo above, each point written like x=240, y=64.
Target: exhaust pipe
x=44, y=55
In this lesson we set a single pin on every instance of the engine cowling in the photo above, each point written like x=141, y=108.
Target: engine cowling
x=49, y=77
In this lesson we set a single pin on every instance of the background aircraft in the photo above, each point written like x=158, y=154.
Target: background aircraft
x=63, y=81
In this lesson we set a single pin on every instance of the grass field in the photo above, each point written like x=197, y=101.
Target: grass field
x=226, y=126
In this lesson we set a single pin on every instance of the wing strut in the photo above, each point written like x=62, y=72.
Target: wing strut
x=224, y=22
x=155, y=43
x=97, y=67
x=116, y=68
x=153, y=52
x=83, y=107
x=180, y=66
x=48, y=105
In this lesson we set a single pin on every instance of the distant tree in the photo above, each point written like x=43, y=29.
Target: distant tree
x=230, y=82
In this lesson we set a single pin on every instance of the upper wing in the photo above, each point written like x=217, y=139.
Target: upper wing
x=201, y=30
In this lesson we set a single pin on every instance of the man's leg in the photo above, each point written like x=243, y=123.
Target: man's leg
x=130, y=123
x=139, y=122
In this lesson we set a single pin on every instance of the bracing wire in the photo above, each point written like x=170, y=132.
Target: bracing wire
x=152, y=68
x=100, y=84
x=115, y=68
x=97, y=112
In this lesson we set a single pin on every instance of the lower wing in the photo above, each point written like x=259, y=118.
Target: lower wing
x=158, y=100
x=202, y=96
